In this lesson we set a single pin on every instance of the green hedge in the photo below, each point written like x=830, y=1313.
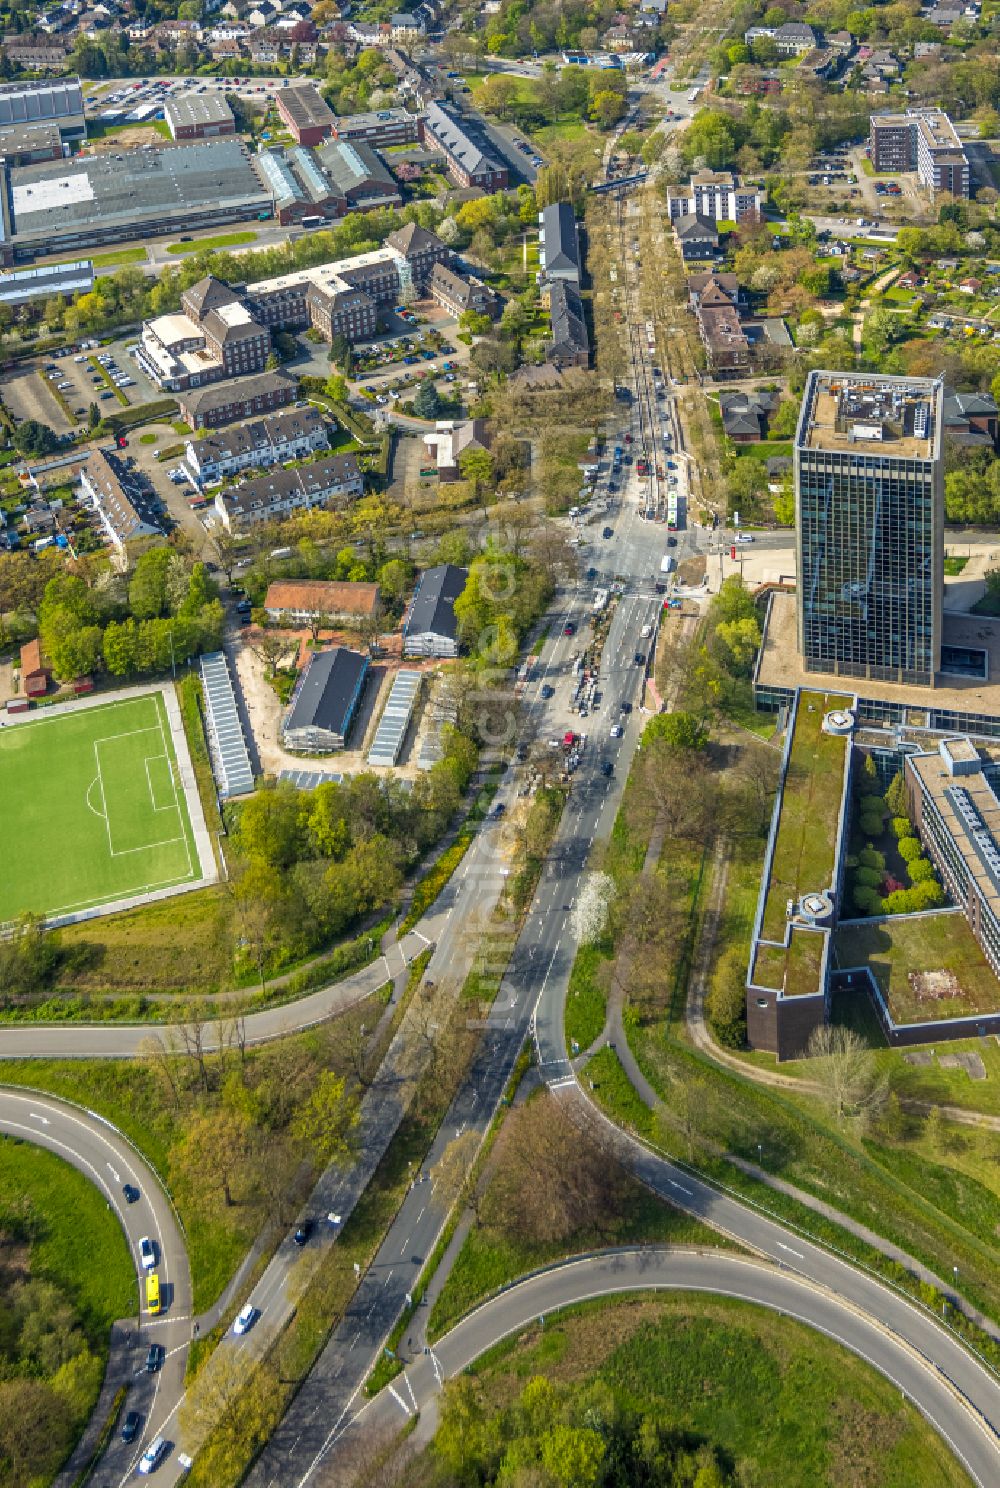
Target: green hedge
x=143, y=413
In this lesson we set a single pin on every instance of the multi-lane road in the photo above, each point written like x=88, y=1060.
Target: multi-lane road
x=655, y=1269
x=105, y=1156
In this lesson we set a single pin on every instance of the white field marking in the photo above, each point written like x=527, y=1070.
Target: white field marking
x=125, y=852
x=171, y=805
x=90, y=805
x=104, y=798
x=131, y=893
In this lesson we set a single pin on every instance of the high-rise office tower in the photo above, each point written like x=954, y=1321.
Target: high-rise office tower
x=869, y=499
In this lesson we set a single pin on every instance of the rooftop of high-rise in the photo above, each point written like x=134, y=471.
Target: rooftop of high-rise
x=863, y=413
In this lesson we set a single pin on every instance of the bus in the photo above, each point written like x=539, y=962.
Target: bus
x=152, y=1293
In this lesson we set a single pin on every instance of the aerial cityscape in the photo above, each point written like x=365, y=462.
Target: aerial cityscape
x=500, y=744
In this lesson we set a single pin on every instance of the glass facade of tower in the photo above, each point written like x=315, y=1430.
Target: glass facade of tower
x=870, y=540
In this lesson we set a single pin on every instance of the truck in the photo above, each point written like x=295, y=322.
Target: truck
x=600, y=601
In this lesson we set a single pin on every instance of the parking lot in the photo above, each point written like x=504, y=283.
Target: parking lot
x=59, y=389
x=134, y=100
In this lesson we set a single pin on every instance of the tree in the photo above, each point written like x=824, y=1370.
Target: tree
x=593, y=906
x=217, y=1146
x=896, y=798
x=850, y=1081
x=476, y=466
x=323, y=1123
x=607, y=109
x=34, y=438
x=726, y=1000
x=551, y=1179
x=427, y=403
x=475, y=322
x=121, y=648
x=677, y=730
x=93, y=416
x=147, y=590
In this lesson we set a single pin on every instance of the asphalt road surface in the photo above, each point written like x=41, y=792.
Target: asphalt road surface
x=102, y=1154
x=923, y=1382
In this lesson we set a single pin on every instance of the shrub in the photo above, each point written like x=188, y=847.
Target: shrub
x=869, y=878
x=870, y=857
x=899, y=902
x=901, y=827
x=921, y=870
x=909, y=848
x=927, y=895
x=866, y=900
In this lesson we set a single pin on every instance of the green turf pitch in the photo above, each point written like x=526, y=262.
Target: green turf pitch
x=92, y=809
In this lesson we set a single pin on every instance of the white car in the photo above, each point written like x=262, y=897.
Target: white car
x=616, y=731
x=147, y=1254
x=245, y=1319
x=152, y=1457
x=744, y=537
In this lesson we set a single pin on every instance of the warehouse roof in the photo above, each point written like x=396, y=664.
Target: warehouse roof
x=351, y=166
x=18, y=139
x=328, y=690
x=433, y=608
x=155, y=183
x=20, y=103
x=188, y=110
x=306, y=108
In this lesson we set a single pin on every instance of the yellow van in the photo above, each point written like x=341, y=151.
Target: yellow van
x=152, y=1293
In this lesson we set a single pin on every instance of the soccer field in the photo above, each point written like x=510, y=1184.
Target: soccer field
x=93, y=809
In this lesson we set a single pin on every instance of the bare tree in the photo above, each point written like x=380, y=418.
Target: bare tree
x=551, y=1178
x=847, y=1073
x=192, y=1030
x=154, y=1052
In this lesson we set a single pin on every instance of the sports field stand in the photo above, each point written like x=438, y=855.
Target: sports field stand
x=226, y=741
x=101, y=808
x=392, y=726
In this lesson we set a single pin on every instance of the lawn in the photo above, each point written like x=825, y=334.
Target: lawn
x=927, y=966
x=489, y=1260
x=954, y=566
x=93, y=808
x=107, y=260
x=701, y=1367
x=586, y=1003
x=222, y=240
x=795, y=971
x=72, y=1224
x=805, y=844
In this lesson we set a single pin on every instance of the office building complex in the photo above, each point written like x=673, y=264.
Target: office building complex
x=921, y=140
x=870, y=527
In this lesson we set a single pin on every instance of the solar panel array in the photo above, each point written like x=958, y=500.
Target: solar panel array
x=309, y=779
x=977, y=831
x=226, y=742
x=392, y=726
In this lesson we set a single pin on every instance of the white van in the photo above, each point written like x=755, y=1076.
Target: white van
x=152, y=1456
x=645, y=632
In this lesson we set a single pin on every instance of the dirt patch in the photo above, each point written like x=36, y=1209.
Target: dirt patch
x=692, y=571
x=142, y=134
x=934, y=986
x=971, y=1063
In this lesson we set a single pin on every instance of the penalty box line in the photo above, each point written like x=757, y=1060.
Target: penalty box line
x=124, y=852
